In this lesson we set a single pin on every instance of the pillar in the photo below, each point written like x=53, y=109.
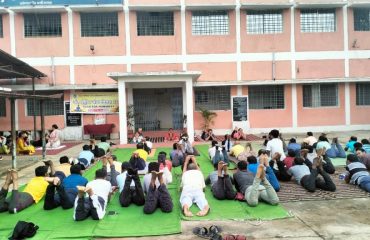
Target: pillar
x=189, y=108
x=122, y=112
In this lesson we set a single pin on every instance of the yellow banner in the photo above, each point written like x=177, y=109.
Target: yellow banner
x=94, y=102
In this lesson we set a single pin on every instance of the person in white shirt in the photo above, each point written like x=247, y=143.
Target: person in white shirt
x=275, y=145
x=212, y=150
x=99, y=192
x=310, y=139
x=193, y=185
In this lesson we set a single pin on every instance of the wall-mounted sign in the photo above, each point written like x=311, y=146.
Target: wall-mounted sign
x=94, y=102
x=240, y=108
x=72, y=119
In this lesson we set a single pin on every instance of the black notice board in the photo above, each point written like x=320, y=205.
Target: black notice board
x=72, y=119
x=240, y=109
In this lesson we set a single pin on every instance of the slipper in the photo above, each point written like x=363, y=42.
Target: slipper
x=201, y=232
x=215, y=229
x=234, y=237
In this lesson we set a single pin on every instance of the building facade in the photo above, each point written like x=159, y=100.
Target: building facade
x=304, y=65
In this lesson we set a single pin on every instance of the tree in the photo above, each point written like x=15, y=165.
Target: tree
x=208, y=118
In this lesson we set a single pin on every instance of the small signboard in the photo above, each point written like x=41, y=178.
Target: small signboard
x=240, y=108
x=72, y=119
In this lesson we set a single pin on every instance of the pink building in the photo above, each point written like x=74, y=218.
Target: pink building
x=302, y=64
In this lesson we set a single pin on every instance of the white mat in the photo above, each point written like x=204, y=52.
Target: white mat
x=60, y=147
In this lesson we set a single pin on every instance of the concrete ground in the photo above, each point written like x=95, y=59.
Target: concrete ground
x=333, y=219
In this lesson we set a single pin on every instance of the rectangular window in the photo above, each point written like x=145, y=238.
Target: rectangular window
x=363, y=94
x=99, y=24
x=42, y=25
x=210, y=23
x=1, y=26
x=266, y=97
x=212, y=98
x=264, y=22
x=51, y=107
x=320, y=95
x=155, y=23
x=2, y=107
x=318, y=20
x=361, y=19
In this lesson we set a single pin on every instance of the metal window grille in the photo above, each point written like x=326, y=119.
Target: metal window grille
x=264, y=22
x=266, y=97
x=210, y=23
x=320, y=95
x=212, y=98
x=362, y=94
x=2, y=107
x=42, y=25
x=1, y=26
x=361, y=19
x=51, y=107
x=99, y=24
x=318, y=20
x=155, y=23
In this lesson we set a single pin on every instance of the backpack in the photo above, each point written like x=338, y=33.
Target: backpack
x=24, y=230
x=217, y=157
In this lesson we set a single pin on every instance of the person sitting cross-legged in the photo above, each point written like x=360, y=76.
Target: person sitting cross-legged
x=221, y=182
x=192, y=183
x=66, y=189
x=130, y=187
x=33, y=192
x=94, y=205
x=156, y=191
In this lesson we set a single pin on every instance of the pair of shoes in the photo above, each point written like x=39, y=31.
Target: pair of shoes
x=212, y=233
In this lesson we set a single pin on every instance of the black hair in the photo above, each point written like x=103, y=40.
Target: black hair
x=322, y=138
x=100, y=173
x=309, y=134
x=291, y=153
x=162, y=158
x=174, y=146
x=75, y=169
x=114, y=157
x=357, y=145
x=41, y=171
x=275, y=133
x=215, y=165
x=365, y=141
x=352, y=158
x=308, y=147
x=242, y=165
x=140, y=146
x=353, y=138
x=262, y=151
x=153, y=166
x=103, y=139
x=54, y=126
x=125, y=166
x=86, y=147
x=214, y=143
x=162, y=152
x=251, y=159
x=63, y=159
x=360, y=149
x=292, y=140
x=298, y=161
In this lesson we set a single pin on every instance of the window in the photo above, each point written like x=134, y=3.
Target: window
x=51, y=107
x=99, y=24
x=155, y=23
x=2, y=107
x=266, y=97
x=1, y=26
x=264, y=22
x=320, y=95
x=210, y=23
x=318, y=20
x=212, y=98
x=42, y=25
x=361, y=19
x=362, y=94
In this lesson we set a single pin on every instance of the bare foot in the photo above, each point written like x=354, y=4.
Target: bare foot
x=154, y=177
x=104, y=161
x=203, y=212
x=187, y=212
x=316, y=162
x=8, y=180
x=89, y=191
x=14, y=174
x=260, y=170
x=224, y=168
x=160, y=178
x=48, y=163
x=56, y=181
x=81, y=191
x=219, y=168
x=49, y=179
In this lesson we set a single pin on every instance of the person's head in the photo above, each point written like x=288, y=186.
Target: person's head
x=86, y=147
x=251, y=159
x=41, y=171
x=308, y=147
x=63, y=159
x=291, y=153
x=162, y=158
x=275, y=133
x=353, y=139
x=360, y=152
x=153, y=166
x=292, y=140
x=54, y=126
x=185, y=137
x=170, y=130
x=174, y=146
x=125, y=166
x=114, y=157
x=298, y=161
x=103, y=139
x=357, y=145
x=75, y=169
x=240, y=130
x=214, y=143
x=210, y=131
x=140, y=146
x=23, y=135
x=262, y=152
x=323, y=138
x=215, y=166
x=100, y=174
x=242, y=165
x=140, y=130
x=227, y=136
x=310, y=134
x=365, y=141
x=192, y=166
x=137, y=134
x=352, y=158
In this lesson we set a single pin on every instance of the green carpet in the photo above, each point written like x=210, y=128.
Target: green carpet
x=339, y=162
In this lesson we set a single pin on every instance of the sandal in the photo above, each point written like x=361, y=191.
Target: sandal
x=215, y=229
x=234, y=237
x=201, y=232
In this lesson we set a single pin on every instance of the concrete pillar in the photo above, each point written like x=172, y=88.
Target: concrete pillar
x=122, y=112
x=190, y=108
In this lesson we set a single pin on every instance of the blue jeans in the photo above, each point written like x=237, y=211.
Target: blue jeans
x=335, y=151
x=271, y=177
x=365, y=183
